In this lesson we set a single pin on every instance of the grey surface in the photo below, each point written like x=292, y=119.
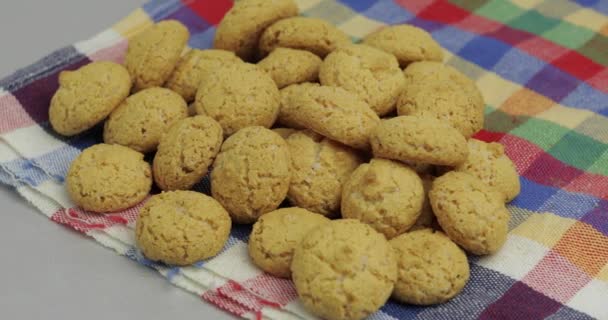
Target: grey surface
x=48, y=271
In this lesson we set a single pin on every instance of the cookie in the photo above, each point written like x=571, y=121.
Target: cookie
x=334, y=113
x=241, y=27
x=238, y=95
x=185, y=152
x=319, y=168
x=372, y=74
x=251, y=175
x=427, y=217
x=275, y=236
x=181, y=227
x=471, y=213
x=305, y=33
x=426, y=140
x=289, y=66
x=344, y=269
x=488, y=162
x=407, y=43
x=432, y=269
x=141, y=120
x=436, y=90
x=285, y=112
x=385, y=194
x=87, y=96
x=186, y=78
x=153, y=54
x=284, y=132
x=106, y=178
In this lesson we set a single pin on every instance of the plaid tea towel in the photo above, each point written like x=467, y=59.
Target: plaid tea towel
x=542, y=68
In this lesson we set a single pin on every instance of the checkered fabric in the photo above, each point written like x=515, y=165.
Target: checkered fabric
x=542, y=68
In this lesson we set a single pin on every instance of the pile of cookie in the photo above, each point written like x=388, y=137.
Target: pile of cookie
x=369, y=145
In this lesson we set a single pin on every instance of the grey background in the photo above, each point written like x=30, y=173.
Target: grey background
x=46, y=270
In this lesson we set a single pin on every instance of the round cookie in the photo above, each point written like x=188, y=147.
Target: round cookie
x=344, y=269
x=436, y=90
x=287, y=93
x=488, y=162
x=106, y=178
x=141, y=120
x=181, y=227
x=186, y=78
x=432, y=269
x=305, y=33
x=407, y=43
x=333, y=112
x=153, y=54
x=319, y=168
x=87, y=96
x=251, y=175
x=275, y=236
x=471, y=213
x=241, y=27
x=238, y=95
x=385, y=194
x=425, y=140
x=289, y=66
x=427, y=217
x=185, y=152
x=370, y=73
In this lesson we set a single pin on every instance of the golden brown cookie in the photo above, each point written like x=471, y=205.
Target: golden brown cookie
x=427, y=217
x=319, y=168
x=106, y=178
x=185, y=152
x=472, y=213
x=141, y=120
x=372, y=74
x=287, y=93
x=344, y=269
x=332, y=112
x=432, y=269
x=241, y=27
x=417, y=139
x=275, y=236
x=238, y=95
x=186, y=77
x=385, y=194
x=181, y=227
x=153, y=54
x=87, y=96
x=289, y=66
x=488, y=162
x=305, y=33
x=251, y=175
x=406, y=42
x=440, y=91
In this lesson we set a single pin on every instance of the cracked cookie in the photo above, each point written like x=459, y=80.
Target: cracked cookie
x=185, y=152
x=305, y=33
x=186, y=78
x=141, y=120
x=251, y=175
x=344, y=269
x=289, y=66
x=416, y=139
x=470, y=212
x=238, y=95
x=106, y=178
x=287, y=93
x=319, y=168
x=181, y=227
x=407, y=43
x=384, y=194
x=371, y=74
x=87, y=96
x=241, y=27
x=275, y=236
x=153, y=54
x=432, y=269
